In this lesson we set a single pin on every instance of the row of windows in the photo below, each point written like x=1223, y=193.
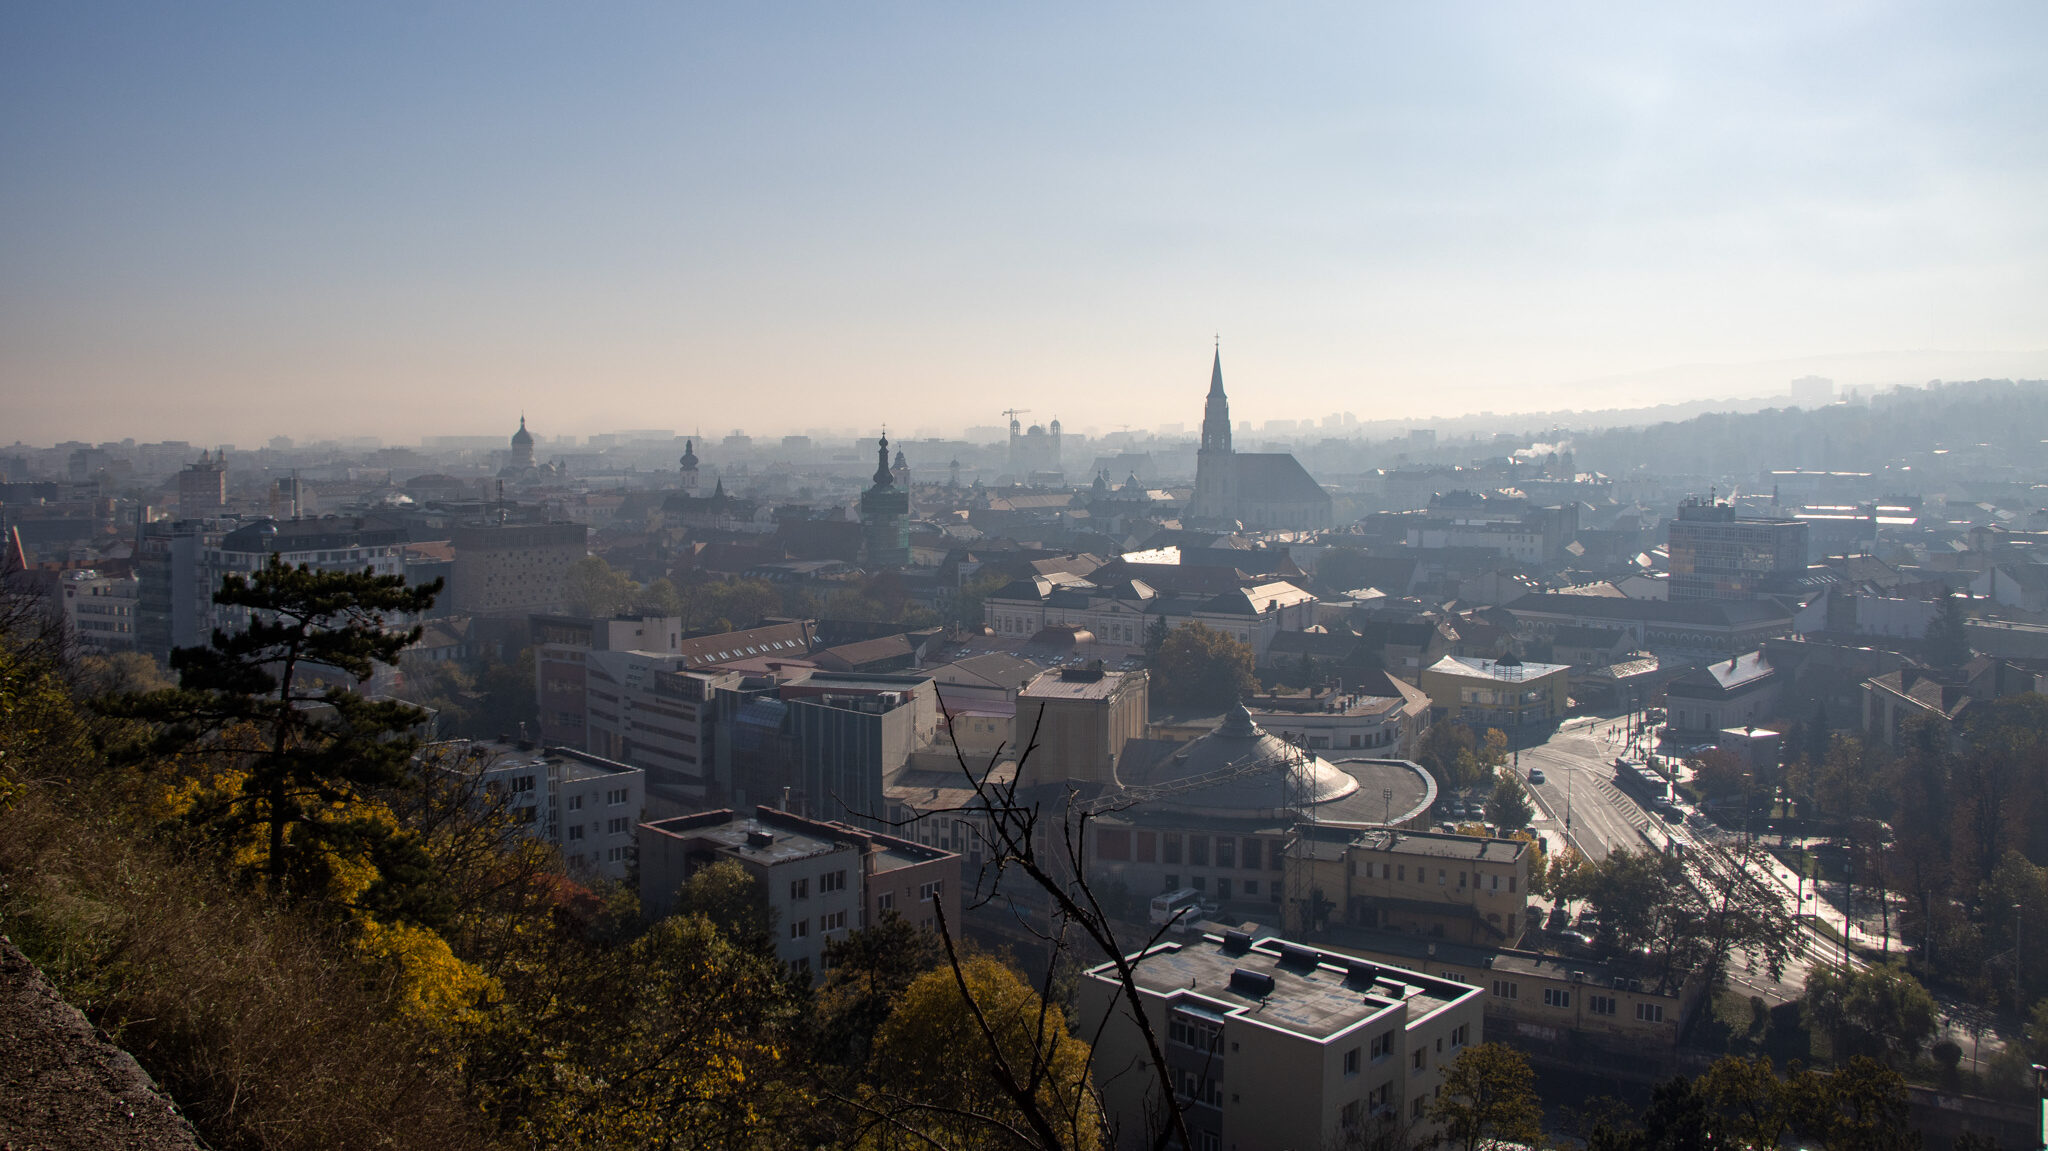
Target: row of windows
x=1229, y=851
x=1398, y=872
x=1225, y=888
x=801, y=928
x=1597, y=1004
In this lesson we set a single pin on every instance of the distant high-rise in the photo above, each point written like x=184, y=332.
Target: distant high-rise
x=203, y=487
x=885, y=516
x=1717, y=556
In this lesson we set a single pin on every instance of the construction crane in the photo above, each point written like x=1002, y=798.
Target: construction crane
x=1013, y=413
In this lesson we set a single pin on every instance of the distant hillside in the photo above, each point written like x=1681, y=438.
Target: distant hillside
x=1986, y=423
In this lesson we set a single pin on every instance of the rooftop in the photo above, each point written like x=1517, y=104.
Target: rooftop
x=770, y=837
x=1297, y=989
x=1505, y=671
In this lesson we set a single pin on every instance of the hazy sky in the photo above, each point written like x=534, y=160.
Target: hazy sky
x=224, y=222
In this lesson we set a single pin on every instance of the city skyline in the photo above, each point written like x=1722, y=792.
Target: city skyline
x=219, y=222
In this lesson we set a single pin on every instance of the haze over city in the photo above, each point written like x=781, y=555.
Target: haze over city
x=223, y=223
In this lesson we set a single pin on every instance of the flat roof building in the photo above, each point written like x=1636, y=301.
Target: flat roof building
x=1274, y=1044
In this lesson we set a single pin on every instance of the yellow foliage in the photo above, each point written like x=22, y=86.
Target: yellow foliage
x=435, y=988
x=931, y=1051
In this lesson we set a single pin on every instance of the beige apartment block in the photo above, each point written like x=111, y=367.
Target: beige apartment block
x=1272, y=1044
x=1466, y=888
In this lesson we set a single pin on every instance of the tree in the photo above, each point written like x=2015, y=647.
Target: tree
x=1692, y=912
x=1881, y=1011
x=867, y=973
x=1948, y=636
x=1488, y=1099
x=1564, y=876
x=1203, y=670
x=1453, y=755
x=594, y=588
x=1509, y=808
x=963, y=1044
x=294, y=749
x=1756, y=1108
x=734, y=901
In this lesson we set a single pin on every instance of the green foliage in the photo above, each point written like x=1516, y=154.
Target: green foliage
x=730, y=897
x=595, y=588
x=1881, y=1011
x=1488, y=1100
x=1689, y=913
x=1508, y=808
x=1741, y=1103
x=1948, y=636
x=292, y=748
x=1458, y=758
x=869, y=971
x=1201, y=670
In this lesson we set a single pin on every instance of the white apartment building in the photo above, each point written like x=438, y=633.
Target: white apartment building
x=100, y=610
x=1273, y=1044
x=822, y=879
x=587, y=806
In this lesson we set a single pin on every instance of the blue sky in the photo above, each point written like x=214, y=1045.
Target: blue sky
x=223, y=222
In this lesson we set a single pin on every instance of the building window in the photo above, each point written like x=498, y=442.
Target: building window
x=1511, y=885
x=799, y=889
x=925, y=891
x=1419, y=1060
x=832, y=881
x=1147, y=847
x=1416, y=1109
x=575, y=831
x=1226, y=852
x=1502, y=989
x=1461, y=1035
x=615, y=826
x=575, y=803
x=1352, y=1114
x=618, y=796
x=1351, y=1061
x=1601, y=1004
x=614, y=855
x=1650, y=1012
x=1442, y=877
x=833, y=922
x=1401, y=872
x=1556, y=997
x=885, y=901
x=1251, y=858
x=1198, y=851
x=1382, y=1046
x=799, y=928
x=1169, y=848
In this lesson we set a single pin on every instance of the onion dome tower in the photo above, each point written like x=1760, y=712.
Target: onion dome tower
x=885, y=517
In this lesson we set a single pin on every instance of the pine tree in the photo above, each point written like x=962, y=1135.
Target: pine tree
x=295, y=750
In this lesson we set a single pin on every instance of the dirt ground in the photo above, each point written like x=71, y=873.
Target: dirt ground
x=62, y=1085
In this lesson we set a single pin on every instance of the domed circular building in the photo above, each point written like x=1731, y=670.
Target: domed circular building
x=1215, y=813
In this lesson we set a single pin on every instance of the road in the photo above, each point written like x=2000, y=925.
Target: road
x=1578, y=767
x=1577, y=762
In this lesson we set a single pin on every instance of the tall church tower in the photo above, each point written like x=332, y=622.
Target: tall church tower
x=688, y=467
x=1215, y=464
x=885, y=517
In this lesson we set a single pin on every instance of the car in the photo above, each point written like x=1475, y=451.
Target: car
x=1671, y=814
x=1535, y=775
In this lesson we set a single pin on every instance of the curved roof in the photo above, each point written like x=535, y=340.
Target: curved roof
x=1292, y=779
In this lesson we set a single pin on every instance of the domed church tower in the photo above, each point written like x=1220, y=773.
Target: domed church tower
x=885, y=517
x=522, y=446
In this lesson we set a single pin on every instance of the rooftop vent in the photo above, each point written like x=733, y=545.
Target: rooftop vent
x=1082, y=673
x=1256, y=984
x=1362, y=972
x=760, y=839
x=1303, y=956
x=1236, y=942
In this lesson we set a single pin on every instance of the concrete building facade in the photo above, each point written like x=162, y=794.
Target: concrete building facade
x=1273, y=1044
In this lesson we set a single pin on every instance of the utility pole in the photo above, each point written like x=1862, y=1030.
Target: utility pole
x=2019, y=952
x=1848, y=899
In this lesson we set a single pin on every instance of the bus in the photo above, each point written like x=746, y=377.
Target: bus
x=1180, y=908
